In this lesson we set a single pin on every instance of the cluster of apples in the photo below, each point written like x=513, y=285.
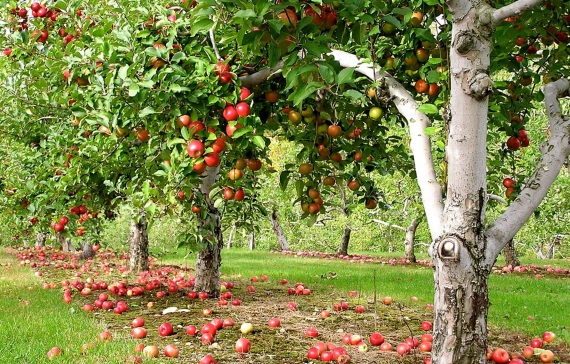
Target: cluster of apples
x=535, y=349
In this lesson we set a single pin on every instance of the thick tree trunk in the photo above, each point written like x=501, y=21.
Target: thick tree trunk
x=41, y=239
x=409, y=242
x=210, y=259
x=138, y=245
x=66, y=245
x=343, y=248
x=86, y=251
x=279, y=232
x=511, y=254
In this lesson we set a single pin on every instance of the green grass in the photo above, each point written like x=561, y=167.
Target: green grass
x=514, y=297
x=28, y=331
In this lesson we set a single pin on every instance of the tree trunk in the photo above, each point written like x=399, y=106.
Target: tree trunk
x=41, y=239
x=210, y=259
x=252, y=240
x=138, y=245
x=231, y=237
x=511, y=254
x=279, y=232
x=409, y=242
x=66, y=245
x=86, y=251
x=343, y=248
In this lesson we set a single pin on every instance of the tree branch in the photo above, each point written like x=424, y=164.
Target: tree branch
x=514, y=9
x=261, y=76
x=553, y=154
x=387, y=224
x=432, y=195
x=214, y=45
x=497, y=198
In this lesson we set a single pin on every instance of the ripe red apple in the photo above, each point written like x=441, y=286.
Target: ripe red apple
x=548, y=337
x=242, y=109
x=244, y=94
x=325, y=314
x=500, y=356
x=104, y=336
x=386, y=346
x=292, y=306
x=209, y=328
x=426, y=325
x=195, y=148
x=311, y=332
x=412, y=342
x=427, y=338
x=207, y=359
x=228, y=322
x=387, y=300
x=355, y=339
x=243, y=345
x=359, y=309
x=403, y=349
x=53, y=352
x=139, y=332
x=191, y=330
x=425, y=346
x=516, y=361
x=536, y=343
x=274, y=322
x=230, y=113
x=528, y=352
x=171, y=351
x=138, y=322
x=376, y=339
x=165, y=329
x=207, y=338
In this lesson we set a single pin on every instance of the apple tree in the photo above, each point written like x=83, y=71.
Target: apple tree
x=458, y=71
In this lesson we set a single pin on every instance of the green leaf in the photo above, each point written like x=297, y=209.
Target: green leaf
x=146, y=189
x=259, y=141
x=327, y=72
x=430, y=130
x=178, y=56
x=284, y=180
x=311, y=220
x=392, y=20
x=428, y=109
x=242, y=131
x=345, y=76
x=123, y=71
x=353, y=94
x=248, y=13
x=175, y=141
x=202, y=25
x=133, y=89
x=146, y=111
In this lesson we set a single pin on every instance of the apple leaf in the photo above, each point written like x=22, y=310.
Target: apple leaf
x=345, y=76
x=258, y=141
x=133, y=89
x=428, y=109
x=284, y=180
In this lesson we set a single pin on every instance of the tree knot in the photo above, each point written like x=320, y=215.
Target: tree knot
x=477, y=84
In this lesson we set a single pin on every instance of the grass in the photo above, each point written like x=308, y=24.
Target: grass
x=519, y=302
x=33, y=320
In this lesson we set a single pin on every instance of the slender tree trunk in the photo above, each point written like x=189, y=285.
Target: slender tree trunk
x=86, y=251
x=279, y=232
x=66, y=245
x=511, y=254
x=345, y=240
x=343, y=248
x=409, y=242
x=138, y=245
x=252, y=240
x=41, y=239
x=231, y=237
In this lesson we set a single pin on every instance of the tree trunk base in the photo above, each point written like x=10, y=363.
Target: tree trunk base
x=138, y=245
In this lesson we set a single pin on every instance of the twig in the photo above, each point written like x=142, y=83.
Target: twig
x=213, y=40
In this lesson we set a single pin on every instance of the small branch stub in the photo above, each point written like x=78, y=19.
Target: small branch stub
x=477, y=84
x=449, y=249
x=465, y=42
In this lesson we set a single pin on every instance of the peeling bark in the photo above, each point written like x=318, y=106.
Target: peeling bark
x=41, y=239
x=409, y=242
x=279, y=232
x=66, y=245
x=252, y=240
x=343, y=248
x=138, y=245
x=86, y=251
x=511, y=254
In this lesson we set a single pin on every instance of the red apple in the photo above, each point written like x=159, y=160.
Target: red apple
x=403, y=349
x=548, y=337
x=165, y=329
x=536, y=343
x=546, y=356
x=500, y=356
x=243, y=345
x=138, y=322
x=191, y=330
x=207, y=338
x=274, y=322
x=376, y=339
x=171, y=351
x=208, y=359
x=55, y=351
x=311, y=332
x=139, y=332
x=426, y=325
x=386, y=346
x=528, y=352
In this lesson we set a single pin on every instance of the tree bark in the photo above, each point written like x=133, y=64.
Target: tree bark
x=511, y=254
x=231, y=237
x=279, y=232
x=66, y=245
x=343, y=248
x=252, y=240
x=86, y=251
x=209, y=259
x=41, y=239
x=138, y=245
x=409, y=242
